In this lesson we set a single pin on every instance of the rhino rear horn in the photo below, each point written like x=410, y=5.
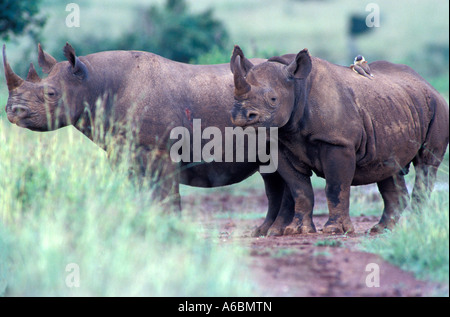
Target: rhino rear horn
x=12, y=79
x=45, y=60
x=33, y=75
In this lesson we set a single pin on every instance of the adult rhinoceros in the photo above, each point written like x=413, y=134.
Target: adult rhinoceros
x=347, y=128
x=141, y=92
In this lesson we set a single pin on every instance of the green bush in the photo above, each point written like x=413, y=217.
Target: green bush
x=169, y=30
x=18, y=17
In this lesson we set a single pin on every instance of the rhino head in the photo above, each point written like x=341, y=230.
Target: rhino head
x=265, y=94
x=43, y=104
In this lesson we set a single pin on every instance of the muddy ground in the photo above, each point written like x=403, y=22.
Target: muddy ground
x=304, y=265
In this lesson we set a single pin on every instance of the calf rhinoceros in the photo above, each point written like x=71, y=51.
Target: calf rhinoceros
x=142, y=92
x=347, y=128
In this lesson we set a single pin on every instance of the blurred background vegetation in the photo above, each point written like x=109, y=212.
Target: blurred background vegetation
x=412, y=32
x=50, y=214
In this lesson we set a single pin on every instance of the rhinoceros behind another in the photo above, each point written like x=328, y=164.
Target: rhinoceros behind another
x=349, y=129
x=143, y=92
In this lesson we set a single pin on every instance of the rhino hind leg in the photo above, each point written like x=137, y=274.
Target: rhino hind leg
x=424, y=182
x=395, y=197
x=428, y=159
x=431, y=153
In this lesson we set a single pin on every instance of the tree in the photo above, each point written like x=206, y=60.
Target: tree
x=18, y=17
x=175, y=33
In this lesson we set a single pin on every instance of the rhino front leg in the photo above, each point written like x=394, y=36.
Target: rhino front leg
x=161, y=174
x=395, y=197
x=299, y=197
x=285, y=214
x=339, y=168
x=303, y=198
x=274, y=186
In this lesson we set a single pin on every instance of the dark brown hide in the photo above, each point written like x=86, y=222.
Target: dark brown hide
x=349, y=129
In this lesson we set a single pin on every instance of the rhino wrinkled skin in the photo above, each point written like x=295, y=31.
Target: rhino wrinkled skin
x=344, y=127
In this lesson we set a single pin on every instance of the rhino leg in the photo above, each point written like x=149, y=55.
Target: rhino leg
x=285, y=214
x=395, y=197
x=430, y=155
x=426, y=166
x=274, y=186
x=295, y=214
x=339, y=168
x=424, y=183
x=161, y=175
x=304, y=203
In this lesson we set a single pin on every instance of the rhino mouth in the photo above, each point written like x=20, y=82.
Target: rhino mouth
x=243, y=117
x=16, y=113
x=22, y=116
x=245, y=122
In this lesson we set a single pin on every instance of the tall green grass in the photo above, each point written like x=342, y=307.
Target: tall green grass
x=62, y=204
x=420, y=241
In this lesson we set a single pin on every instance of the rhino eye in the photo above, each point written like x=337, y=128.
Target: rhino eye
x=51, y=93
x=271, y=98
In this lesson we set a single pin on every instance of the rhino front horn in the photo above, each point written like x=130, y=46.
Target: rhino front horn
x=12, y=79
x=240, y=84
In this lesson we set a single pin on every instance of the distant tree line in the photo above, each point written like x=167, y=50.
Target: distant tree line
x=18, y=17
x=169, y=30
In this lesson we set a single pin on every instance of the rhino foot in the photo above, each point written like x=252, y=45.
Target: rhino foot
x=338, y=227
x=382, y=226
x=261, y=230
x=268, y=229
x=275, y=232
x=299, y=229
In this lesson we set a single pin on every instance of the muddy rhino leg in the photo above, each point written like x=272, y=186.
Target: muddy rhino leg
x=274, y=186
x=298, y=201
x=395, y=197
x=161, y=175
x=303, y=199
x=339, y=167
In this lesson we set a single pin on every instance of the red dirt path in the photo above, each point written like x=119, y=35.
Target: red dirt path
x=303, y=265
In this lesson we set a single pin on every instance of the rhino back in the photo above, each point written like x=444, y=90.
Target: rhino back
x=386, y=119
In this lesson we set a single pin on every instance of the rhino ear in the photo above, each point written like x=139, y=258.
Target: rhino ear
x=45, y=60
x=79, y=69
x=246, y=65
x=301, y=66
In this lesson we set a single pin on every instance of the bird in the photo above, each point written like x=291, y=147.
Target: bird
x=361, y=66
